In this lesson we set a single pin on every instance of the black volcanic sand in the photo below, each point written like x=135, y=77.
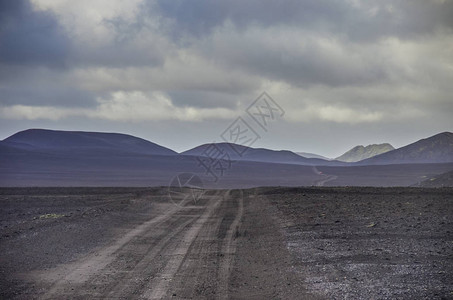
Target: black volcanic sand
x=369, y=243
x=275, y=243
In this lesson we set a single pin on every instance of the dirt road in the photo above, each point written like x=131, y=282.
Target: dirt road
x=185, y=251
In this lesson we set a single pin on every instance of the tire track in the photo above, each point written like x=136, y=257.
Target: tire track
x=159, y=255
x=228, y=250
x=127, y=282
x=82, y=271
x=159, y=288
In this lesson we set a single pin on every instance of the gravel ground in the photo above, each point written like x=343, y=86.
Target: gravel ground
x=369, y=243
x=265, y=243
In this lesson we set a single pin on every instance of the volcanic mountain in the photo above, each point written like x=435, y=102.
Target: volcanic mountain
x=435, y=149
x=73, y=141
x=360, y=152
x=312, y=155
x=38, y=157
x=236, y=152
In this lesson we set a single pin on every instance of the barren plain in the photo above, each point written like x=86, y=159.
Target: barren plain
x=262, y=243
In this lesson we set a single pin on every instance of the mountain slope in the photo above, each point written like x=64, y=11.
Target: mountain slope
x=236, y=152
x=55, y=140
x=311, y=155
x=360, y=152
x=441, y=180
x=49, y=158
x=435, y=149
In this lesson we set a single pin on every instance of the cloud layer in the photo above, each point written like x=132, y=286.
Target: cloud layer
x=387, y=63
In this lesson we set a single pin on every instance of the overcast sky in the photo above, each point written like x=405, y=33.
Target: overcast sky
x=180, y=72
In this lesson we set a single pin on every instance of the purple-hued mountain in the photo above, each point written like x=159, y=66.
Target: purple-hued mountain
x=435, y=149
x=55, y=140
x=312, y=155
x=38, y=157
x=241, y=153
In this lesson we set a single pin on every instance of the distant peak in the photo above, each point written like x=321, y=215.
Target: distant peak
x=445, y=133
x=360, y=152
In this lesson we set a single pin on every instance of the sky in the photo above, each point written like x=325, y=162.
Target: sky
x=181, y=72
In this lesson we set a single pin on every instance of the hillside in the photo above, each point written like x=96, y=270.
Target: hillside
x=55, y=140
x=435, y=149
x=311, y=155
x=360, y=152
x=441, y=180
x=68, y=158
x=237, y=152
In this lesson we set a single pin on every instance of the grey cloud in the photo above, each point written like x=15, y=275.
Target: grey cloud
x=34, y=37
x=118, y=56
x=221, y=54
x=368, y=21
x=205, y=99
x=200, y=17
x=298, y=58
x=408, y=19
x=127, y=48
x=31, y=85
x=30, y=37
x=48, y=95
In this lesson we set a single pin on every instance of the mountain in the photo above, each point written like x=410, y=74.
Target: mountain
x=360, y=152
x=435, y=149
x=441, y=180
x=83, y=142
x=311, y=155
x=236, y=152
x=67, y=158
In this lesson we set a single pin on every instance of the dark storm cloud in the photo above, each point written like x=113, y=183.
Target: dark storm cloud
x=30, y=37
x=200, y=17
x=311, y=63
x=338, y=37
x=384, y=64
x=34, y=37
x=125, y=49
x=407, y=19
x=363, y=21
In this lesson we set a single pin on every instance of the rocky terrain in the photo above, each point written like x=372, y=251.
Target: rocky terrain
x=280, y=243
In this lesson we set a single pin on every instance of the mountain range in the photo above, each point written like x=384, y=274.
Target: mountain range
x=39, y=157
x=242, y=153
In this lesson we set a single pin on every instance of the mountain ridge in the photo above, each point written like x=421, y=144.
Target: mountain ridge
x=32, y=158
x=434, y=149
x=243, y=153
x=361, y=152
x=59, y=140
x=312, y=155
